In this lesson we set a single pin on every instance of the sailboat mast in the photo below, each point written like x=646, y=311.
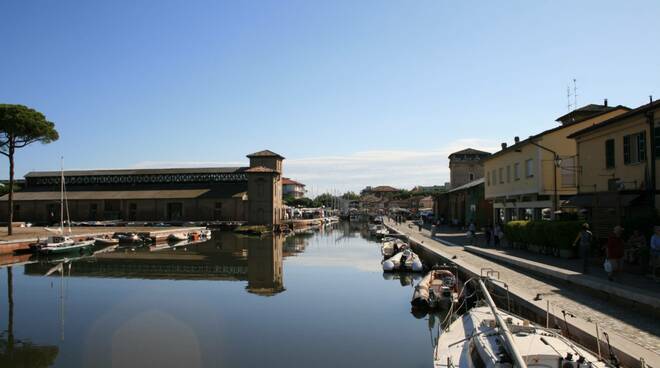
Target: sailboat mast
x=504, y=329
x=62, y=195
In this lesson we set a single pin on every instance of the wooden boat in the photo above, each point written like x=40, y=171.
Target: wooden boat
x=438, y=289
x=490, y=338
x=406, y=260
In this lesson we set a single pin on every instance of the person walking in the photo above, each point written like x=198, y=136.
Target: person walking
x=584, y=239
x=614, y=252
x=496, y=235
x=488, y=232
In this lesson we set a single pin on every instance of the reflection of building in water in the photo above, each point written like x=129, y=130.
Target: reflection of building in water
x=265, y=266
x=294, y=245
x=225, y=257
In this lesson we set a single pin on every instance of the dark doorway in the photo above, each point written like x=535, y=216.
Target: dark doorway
x=174, y=211
x=132, y=211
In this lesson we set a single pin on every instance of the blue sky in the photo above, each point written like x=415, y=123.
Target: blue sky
x=351, y=92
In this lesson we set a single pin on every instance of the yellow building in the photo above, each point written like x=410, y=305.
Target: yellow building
x=531, y=178
x=617, y=161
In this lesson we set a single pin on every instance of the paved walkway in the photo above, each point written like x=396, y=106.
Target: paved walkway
x=640, y=328
x=626, y=285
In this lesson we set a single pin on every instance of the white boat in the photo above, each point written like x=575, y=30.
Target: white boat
x=106, y=241
x=205, y=234
x=63, y=244
x=406, y=260
x=490, y=338
x=438, y=289
x=178, y=237
x=391, y=246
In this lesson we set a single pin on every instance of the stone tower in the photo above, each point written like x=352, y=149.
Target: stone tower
x=466, y=166
x=265, y=188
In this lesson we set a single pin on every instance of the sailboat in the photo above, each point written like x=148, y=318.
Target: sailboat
x=488, y=337
x=61, y=243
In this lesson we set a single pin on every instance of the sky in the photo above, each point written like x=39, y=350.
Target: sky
x=352, y=93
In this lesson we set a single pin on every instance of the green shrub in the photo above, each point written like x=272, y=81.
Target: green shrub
x=551, y=234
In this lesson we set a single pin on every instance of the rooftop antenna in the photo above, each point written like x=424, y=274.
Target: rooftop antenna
x=575, y=94
x=568, y=98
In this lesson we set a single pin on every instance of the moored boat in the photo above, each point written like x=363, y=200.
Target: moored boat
x=487, y=337
x=56, y=244
x=177, y=237
x=406, y=260
x=391, y=246
x=438, y=289
x=106, y=240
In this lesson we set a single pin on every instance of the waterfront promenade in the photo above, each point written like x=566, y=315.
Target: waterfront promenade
x=640, y=328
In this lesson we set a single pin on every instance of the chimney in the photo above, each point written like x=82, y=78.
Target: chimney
x=605, y=102
x=516, y=139
x=503, y=146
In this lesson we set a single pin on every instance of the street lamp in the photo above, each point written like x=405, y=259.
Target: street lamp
x=557, y=162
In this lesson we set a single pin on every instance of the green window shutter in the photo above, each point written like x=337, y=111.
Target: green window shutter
x=641, y=146
x=626, y=149
x=609, y=153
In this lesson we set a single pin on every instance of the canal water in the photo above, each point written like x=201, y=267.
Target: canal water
x=317, y=299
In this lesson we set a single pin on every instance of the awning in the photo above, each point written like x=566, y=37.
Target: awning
x=128, y=194
x=612, y=200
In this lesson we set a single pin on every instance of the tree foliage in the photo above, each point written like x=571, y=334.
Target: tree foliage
x=351, y=196
x=21, y=126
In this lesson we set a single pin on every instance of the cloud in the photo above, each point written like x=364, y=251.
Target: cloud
x=339, y=173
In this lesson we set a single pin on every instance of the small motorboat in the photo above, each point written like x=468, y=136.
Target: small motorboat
x=128, y=238
x=205, y=234
x=392, y=246
x=56, y=244
x=438, y=289
x=406, y=260
x=178, y=237
x=106, y=240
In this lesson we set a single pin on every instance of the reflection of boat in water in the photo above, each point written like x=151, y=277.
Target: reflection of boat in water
x=406, y=260
x=405, y=278
x=177, y=237
x=490, y=338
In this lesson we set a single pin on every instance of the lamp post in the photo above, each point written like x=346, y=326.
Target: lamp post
x=557, y=164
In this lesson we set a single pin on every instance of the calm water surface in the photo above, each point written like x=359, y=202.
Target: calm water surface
x=310, y=300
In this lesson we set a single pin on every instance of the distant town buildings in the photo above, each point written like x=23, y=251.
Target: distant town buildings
x=293, y=188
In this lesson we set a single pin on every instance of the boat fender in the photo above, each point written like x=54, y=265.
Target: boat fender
x=417, y=266
x=388, y=265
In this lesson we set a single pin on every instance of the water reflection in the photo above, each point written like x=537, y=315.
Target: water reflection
x=217, y=303
x=224, y=257
x=21, y=352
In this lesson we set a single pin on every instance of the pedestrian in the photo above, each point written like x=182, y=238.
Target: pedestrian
x=654, y=250
x=488, y=232
x=636, y=245
x=584, y=239
x=419, y=225
x=496, y=235
x=614, y=252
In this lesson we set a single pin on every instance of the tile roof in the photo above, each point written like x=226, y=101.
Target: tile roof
x=470, y=151
x=287, y=181
x=265, y=153
x=641, y=109
x=102, y=172
x=384, y=188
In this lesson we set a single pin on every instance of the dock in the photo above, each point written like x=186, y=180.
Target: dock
x=528, y=302
x=156, y=234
